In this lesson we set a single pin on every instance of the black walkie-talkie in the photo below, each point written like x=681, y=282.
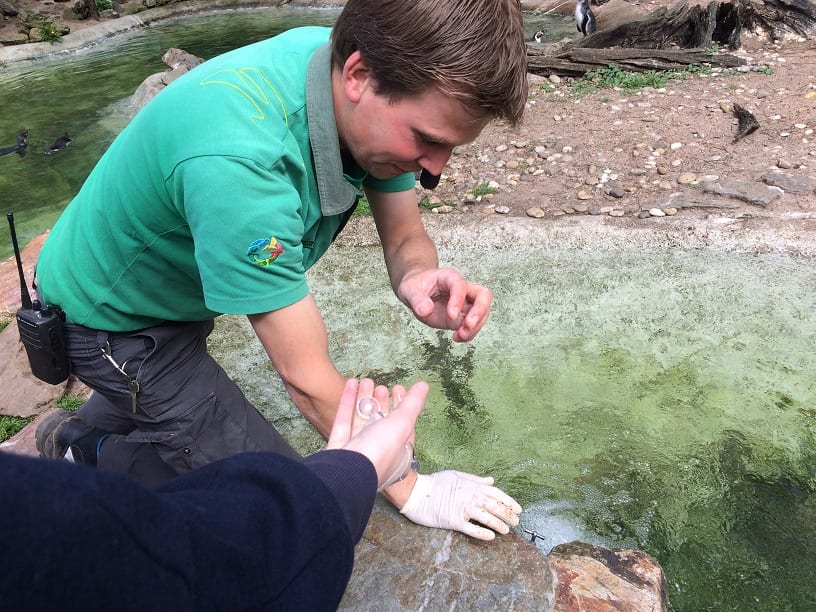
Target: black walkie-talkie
x=41, y=329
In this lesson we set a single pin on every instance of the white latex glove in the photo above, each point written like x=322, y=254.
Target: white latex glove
x=450, y=499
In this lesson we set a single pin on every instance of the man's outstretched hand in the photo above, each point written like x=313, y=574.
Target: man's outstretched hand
x=443, y=299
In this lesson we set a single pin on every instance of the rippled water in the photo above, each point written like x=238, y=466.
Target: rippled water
x=660, y=400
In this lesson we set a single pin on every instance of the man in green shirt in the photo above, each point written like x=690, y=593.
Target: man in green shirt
x=227, y=187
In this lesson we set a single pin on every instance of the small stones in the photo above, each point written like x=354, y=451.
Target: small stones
x=644, y=164
x=443, y=210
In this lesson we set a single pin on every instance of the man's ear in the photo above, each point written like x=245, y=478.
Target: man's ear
x=356, y=77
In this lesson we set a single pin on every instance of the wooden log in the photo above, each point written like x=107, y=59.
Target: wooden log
x=674, y=37
x=778, y=17
x=577, y=61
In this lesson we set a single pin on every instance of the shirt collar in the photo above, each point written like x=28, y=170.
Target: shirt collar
x=336, y=194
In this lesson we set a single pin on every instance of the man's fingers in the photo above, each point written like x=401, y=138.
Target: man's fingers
x=476, y=531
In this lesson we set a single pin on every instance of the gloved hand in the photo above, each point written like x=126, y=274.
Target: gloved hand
x=450, y=499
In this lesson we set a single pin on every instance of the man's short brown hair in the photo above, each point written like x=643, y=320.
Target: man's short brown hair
x=470, y=50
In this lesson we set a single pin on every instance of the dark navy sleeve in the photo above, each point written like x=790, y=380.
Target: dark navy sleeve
x=253, y=532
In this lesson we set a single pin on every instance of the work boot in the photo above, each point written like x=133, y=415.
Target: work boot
x=64, y=435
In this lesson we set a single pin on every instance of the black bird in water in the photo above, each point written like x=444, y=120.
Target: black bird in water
x=59, y=144
x=19, y=148
x=584, y=17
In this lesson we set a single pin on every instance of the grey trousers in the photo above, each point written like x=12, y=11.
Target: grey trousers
x=187, y=411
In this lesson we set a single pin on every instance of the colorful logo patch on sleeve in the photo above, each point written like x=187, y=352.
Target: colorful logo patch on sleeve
x=264, y=251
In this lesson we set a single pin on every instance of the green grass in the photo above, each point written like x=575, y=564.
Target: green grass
x=70, y=402
x=49, y=32
x=713, y=48
x=426, y=203
x=483, y=189
x=363, y=208
x=615, y=77
x=11, y=425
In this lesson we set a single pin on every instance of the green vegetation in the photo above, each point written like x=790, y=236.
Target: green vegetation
x=363, y=208
x=102, y=5
x=426, y=203
x=70, y=402
x=11, y=425
x=49, y=32
x=615, y=77
x=483, y=189
x=543, y=87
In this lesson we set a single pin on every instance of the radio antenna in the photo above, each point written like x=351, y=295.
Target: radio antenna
x=25, y=298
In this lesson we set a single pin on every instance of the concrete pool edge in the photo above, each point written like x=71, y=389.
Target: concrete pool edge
x=790, y=234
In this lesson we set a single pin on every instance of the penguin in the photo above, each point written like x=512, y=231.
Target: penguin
x=535, y=38
x=584, y=17
x=19, y=148
x=60, y=143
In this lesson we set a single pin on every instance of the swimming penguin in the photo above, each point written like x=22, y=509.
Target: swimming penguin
x=60, y=143
x=584, y=17
x=538, y=35
x=19, y=148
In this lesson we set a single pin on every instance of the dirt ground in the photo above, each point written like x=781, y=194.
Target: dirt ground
x=623, y=152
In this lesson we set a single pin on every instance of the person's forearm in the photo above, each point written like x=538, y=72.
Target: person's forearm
x=297, y=344
x=407, y=248
x=318, y=405
x=414, y=254
x=399, y=492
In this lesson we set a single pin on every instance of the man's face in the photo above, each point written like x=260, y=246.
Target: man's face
x=390, y=138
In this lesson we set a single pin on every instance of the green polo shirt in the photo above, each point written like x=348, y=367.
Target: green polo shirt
x=216, y=198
